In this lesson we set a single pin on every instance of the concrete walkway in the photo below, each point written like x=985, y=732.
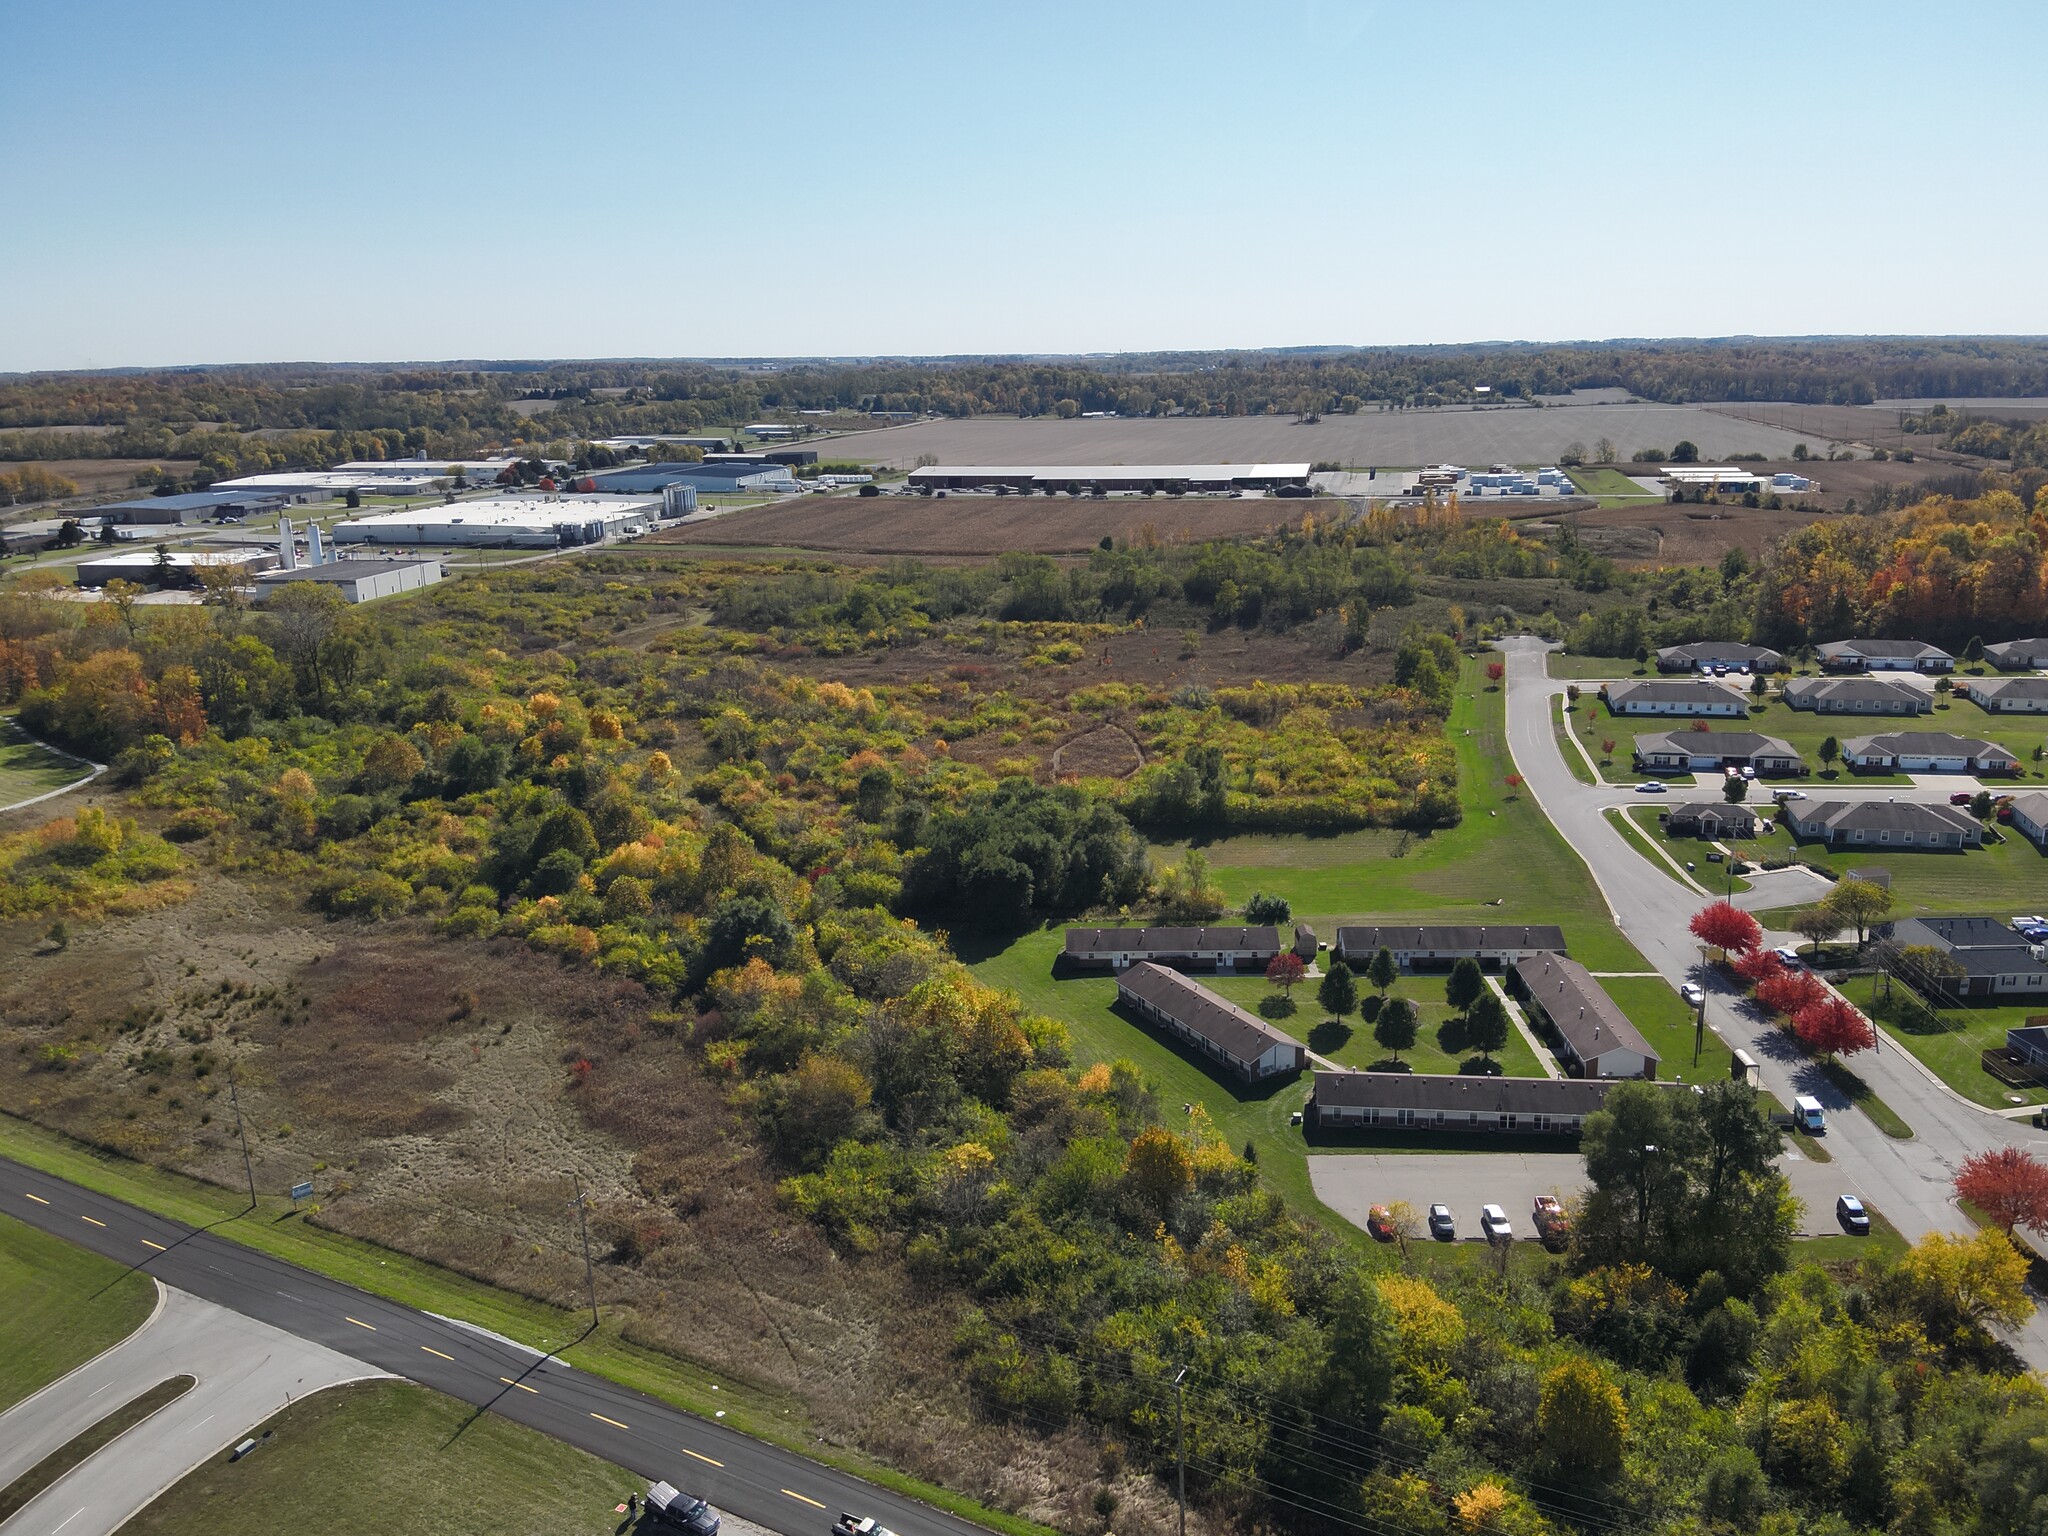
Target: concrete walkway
x=1543, y=1057
x=244, y=1371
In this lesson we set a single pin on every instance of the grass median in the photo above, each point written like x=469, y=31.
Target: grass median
x=81, y=1447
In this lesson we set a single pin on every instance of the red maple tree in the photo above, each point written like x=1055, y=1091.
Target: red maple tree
x=1286, y=969
x=1495, y=671
x=1833, y=1028
x=1727, y=927
x=2009, y=1185
x=1790, y=992
x=1759, y=966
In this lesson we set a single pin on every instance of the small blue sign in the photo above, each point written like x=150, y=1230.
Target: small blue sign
x=302, y=1191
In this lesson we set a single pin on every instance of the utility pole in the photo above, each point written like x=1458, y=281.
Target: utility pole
x=248, y=1167
x=1180, y=1447
x=583, y=1227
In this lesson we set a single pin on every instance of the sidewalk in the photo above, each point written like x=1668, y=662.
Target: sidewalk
x=1543, y=1057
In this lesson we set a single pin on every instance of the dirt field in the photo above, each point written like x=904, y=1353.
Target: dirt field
x=1663, y=534
x=987, y=525
x=1509, y=434
x=443, y=1093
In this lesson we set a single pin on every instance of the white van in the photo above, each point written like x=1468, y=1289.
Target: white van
x=1807, y=1111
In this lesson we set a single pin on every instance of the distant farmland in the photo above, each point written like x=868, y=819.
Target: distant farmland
x=1512, y=435
x=986, y=525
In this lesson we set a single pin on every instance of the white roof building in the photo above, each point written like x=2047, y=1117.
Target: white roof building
x=538, y=522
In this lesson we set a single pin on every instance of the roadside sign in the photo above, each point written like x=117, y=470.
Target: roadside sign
x=302, y=1191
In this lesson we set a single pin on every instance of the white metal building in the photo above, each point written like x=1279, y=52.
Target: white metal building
x=357, y=580
x=526, y=522
x=1046, y=478
x=145, y=567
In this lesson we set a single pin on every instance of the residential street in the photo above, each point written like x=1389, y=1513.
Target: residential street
x=1909, y=1181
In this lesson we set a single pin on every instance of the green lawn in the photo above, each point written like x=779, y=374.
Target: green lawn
x=1801, y=729
x=1579, y=669
x=1996, y=880
x=1952, y=1040
x=1643, y=827
x=1438, y=1043
x=1605, y=480
x=394, y=1458
x=1561, y=730
x=28, y=769
x=59, y=1306
x=1805, y=729
x=1667, y=1023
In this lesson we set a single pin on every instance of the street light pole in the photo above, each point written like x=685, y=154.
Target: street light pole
x=248, y=1167
x=1180, y=1447
x=583, y=1228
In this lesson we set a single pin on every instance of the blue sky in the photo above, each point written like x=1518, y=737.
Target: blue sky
x=241, y=182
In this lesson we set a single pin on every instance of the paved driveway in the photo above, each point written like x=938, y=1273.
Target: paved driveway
x=1352, y=1183
x=244, y=1372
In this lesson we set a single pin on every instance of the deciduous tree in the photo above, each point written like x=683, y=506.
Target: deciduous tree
x=1832, y=1027
x=1727, y=928
x=2008, y=1184
x=1859, y=904
x=1285, y=970
x=1582, y=1419
x=1463, y=986
x=1338, y=992
x=1382, y=971
x=1395, y=1028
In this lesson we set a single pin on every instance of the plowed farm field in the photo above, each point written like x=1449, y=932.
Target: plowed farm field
x=988, y=525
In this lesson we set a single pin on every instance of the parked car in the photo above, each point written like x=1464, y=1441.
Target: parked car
x=1788, y=955
x=1748, y=772
x=673, y=1509
x=1493, y=1223
x=1379, y=1221
x=1854, y=1218
x=1653, y=787
x=1442, y=1225
x=1960, y=797
x=1693, y=993
x=1783, y=795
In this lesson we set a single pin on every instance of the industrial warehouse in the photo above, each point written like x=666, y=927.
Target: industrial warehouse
x=522, y=522
x=1105, y=478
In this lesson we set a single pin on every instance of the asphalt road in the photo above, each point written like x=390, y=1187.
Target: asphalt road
x=758, y=1482
x=1910, y=1181
x=243, y=1372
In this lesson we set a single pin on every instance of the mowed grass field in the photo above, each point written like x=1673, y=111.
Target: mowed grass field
x=29, y=769
x=398, y=1460
x=1464, y=435
x=59, y=1306
x=1997, y=880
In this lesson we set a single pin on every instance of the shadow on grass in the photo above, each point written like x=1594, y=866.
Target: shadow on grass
x=1277, y=1005
x=1330, y=1036
x=1245, y=1093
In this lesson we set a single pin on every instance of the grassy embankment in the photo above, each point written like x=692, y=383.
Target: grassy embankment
x=1641, y=826
x=1560, y=729
x=28, y=768
x=59, y=1306
x=1505, y=849
x=271, y=1228
x=439, y=1467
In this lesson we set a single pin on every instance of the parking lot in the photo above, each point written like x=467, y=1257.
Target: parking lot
x=1351, y=1184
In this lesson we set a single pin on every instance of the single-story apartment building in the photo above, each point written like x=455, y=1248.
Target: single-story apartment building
x=1710, y=818
x=1927, y=752
x=1241, y=1042
x=2009, y=695
x=1719, y=653
x=357, y=580
x=2029, y=1042
x=2018, y=655
x=1439, y=946
x=2030, y=815
x=1996, y=961
x=1901, y=825
x=1422, y=1101
x=1711, y=751
x=1884, y=656
x=1594, y=1037
x=1858, y=696
x=1684, y=697
x=1242, y=948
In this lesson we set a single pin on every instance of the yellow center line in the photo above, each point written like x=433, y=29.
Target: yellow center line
x=714, y=1462
x=801, y=1499
x=522, y=1386
x=159, y=1247
x=39, y=1200
x=94, y=1220
x=360, y=1323
x=615, y=1424
x=432, y=1351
